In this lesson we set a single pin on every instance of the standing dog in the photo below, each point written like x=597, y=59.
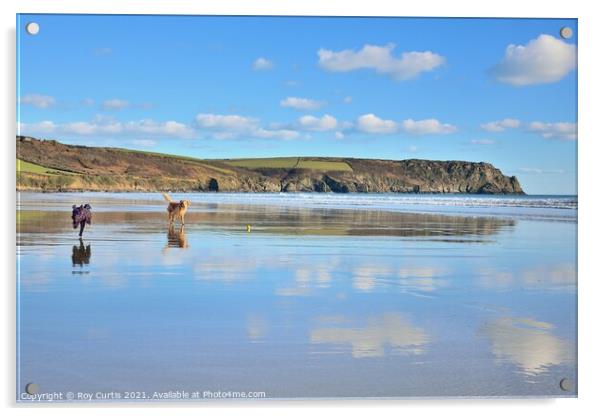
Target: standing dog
x=81, y=216
x=176, y=209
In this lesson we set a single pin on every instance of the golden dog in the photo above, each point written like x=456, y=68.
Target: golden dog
x=176, y=209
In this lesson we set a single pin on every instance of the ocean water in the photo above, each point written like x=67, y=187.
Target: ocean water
x=328, y=295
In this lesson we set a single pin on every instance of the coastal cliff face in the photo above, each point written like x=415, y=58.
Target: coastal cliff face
x=53, y=166
x=406, y=176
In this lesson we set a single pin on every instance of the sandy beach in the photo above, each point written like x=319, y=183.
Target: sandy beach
x=366, y=301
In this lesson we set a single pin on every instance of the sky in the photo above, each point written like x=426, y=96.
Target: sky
x=502, y=91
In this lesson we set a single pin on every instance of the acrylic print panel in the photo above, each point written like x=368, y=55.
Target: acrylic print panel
x=218, y=207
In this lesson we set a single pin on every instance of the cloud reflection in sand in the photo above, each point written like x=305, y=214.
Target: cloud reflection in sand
x=392, y=330
x=407, y=278
x=560, y=276
x=527, y=343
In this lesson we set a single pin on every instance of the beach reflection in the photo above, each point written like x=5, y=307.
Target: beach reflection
x=558, y=276
x=410, y=278
x=349, y=298
x=176, y=237
x=330, y=222
x=389, y=332
x=81, y=254
x=527, y=343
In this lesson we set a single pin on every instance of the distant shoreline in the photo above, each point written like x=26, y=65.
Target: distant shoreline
x=48, y=165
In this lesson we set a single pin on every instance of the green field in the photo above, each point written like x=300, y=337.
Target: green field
x=186, y=158
x=23, y=166
x=290, y=163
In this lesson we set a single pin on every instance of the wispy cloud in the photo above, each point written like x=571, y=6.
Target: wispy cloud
x=562, y=131
x=262, y=64
x=543, y=60
x=412, y=149
x=301, y=104
x=482, y=142
x=539, y=171
x=101, y=126
x=380, y=59
x=115, y=104
x=501, y=125
x=144, y=142
x=37, y=100
x=103, y=51
x=558, y=130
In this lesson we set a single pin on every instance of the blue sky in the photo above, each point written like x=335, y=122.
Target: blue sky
x=496, y=90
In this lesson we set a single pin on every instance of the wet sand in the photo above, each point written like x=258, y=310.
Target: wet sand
x=313, y=302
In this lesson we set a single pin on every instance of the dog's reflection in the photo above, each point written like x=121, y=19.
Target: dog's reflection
x=81, y=254
x=176, y=237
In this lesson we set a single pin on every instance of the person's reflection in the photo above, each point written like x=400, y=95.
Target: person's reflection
x=81, y=254
x=176, y=237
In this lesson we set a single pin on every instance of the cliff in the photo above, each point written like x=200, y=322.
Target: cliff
x=52, y=166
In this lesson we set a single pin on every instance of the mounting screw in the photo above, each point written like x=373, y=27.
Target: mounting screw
x=32, y=28
x=566, y=32
x=32, y=388
x=566, y=385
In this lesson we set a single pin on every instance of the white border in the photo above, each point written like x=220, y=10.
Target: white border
x=590, y=28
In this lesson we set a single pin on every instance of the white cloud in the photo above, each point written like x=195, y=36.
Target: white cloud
x=482, y=141
x=226, y=122
x=262, y=64
x=115, y=104
x=217, y=126
x=144, y=142
x=369, y=123
x=284, y=134
x=37, y=100
x=380, y=59
x=539, y=171
x=542, y=60
x=88, y=102
x=302, y=104
x=110, y=127
x=563, y=131
x=233, y=126
x=501, y=125
x=85, y=128
x=42, y=127
x=339, y=135
x=324, y=123
x=428, y=126
x=348, y=100
x=168, y=128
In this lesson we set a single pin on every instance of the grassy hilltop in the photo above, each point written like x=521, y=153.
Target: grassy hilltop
x=47, y=165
